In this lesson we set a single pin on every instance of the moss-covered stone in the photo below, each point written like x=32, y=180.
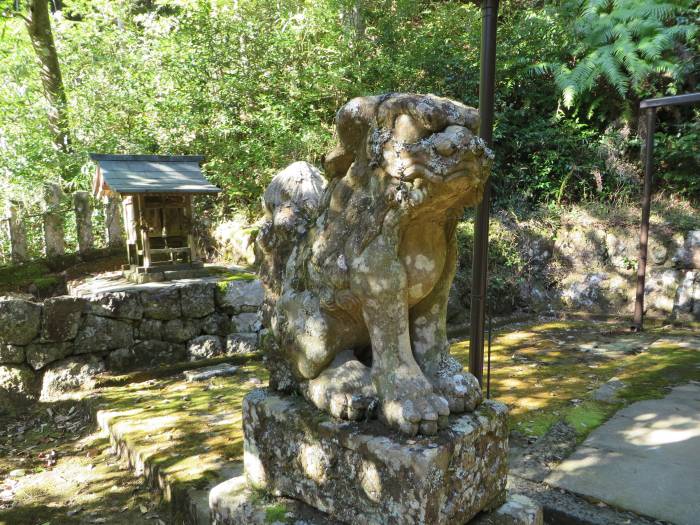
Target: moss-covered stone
x=362, y=473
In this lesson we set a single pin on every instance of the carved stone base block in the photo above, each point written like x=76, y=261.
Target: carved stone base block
x=362, y=473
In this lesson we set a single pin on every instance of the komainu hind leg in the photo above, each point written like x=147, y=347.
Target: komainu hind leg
x=344, y=389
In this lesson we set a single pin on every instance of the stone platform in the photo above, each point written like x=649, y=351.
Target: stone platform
x=360, y=473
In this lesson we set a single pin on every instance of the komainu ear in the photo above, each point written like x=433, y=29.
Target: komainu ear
x=354, y=120
x=337, y=162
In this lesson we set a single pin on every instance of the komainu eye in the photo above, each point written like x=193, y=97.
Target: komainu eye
x=408, y=129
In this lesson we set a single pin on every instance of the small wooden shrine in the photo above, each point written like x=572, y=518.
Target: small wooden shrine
x=156, y=193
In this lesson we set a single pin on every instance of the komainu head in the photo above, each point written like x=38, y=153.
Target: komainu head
x=426, y=146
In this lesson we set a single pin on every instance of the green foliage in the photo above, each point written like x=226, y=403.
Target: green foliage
x=625, y=44
x=276, y=513
x=505, y=266
x=542, y=160
x=677, y=155
x=254, y=87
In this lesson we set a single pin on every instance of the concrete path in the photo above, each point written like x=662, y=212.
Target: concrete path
x=645, y=459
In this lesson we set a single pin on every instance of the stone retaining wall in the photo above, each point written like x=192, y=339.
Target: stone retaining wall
x=591, y=266
x=50, y=347
x=603, y=272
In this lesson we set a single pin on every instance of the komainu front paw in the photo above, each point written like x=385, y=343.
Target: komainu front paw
x=460, y=388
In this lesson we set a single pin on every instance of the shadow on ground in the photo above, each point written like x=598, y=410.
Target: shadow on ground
x=546, y=371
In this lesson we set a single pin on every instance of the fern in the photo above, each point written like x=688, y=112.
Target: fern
x=623, y=44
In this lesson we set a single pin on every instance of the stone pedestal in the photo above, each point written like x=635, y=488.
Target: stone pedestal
x=362, y=473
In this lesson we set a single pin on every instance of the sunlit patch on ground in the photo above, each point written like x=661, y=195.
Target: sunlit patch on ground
x=190, y=430
x=55, y=469
x=547, y=371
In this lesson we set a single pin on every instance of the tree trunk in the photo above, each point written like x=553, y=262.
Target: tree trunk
x=38, y=23
x=358, y=20
x=354, y=18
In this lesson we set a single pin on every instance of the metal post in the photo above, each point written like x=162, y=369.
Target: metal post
x=487, y=81
x=644, y=229
x=488, y=362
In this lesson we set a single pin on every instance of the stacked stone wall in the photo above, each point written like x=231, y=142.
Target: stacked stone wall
x=602, y=272
x=60, y=344
x=591, y=267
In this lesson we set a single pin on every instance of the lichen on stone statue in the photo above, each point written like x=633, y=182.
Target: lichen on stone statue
x=358, y=261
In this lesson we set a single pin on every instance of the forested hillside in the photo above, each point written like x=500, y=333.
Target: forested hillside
x=253, y=85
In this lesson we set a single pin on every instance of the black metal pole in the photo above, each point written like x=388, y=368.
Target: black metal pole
x=488, y=357
x=487, y=81
x=644, y=229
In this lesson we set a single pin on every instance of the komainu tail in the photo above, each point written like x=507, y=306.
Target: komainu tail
x=291, y=204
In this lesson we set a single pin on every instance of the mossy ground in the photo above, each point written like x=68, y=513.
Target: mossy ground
x=545, y=371
x=85, y=485
x=189, y=430
x=45, y=274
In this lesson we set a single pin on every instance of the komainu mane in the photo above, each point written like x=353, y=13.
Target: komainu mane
x=358, y=265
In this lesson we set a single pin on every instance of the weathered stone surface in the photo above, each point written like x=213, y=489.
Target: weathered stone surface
x=19, y=320
x=216, y=324
x=241, y=343
x=121, y=359
x=235, y=240
x=233, y=502
x=517, y=510
x=202, y=374
x=120, y=305
x=146, y=354
x=41, y=354
x=607, y=392
x=83, y=221
x=205, y=347
x=660, y=288
x=17, y=232
x=103, y=333
x=689, y=255
x=150, y=329
x=598, y=292
x=74, y=373
x=16, y=385
x=358, y=473
x=246, y=322
x=163, y=304
x=54, y=244
x=367, y=261
x=686, y=305
x=197, y=299
x=240, y=295
x=645, y=459
x=11, y=354
x=61, y=318
x=180, y=330
x=114, y=225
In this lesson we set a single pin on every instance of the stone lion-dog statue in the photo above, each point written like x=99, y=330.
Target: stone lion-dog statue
x=357, y=266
